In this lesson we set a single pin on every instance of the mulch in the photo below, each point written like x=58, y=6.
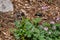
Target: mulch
x=47, y=10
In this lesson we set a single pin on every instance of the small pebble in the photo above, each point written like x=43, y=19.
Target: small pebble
x=52, y=22
x=49, y=32
x=6, y=6
x=46, y=28
x=45, y=7
x=58, y=18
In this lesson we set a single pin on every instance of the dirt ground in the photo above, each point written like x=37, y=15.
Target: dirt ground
x=48, y=10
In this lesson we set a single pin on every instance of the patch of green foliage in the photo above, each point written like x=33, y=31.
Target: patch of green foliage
x=27, y=29
x=46, y=24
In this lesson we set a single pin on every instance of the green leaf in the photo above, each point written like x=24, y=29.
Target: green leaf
x=41, y=38
x=34, y=38
x=36, y=20
x=57, y=24
x=46, y=24
x=17, y=23
x=28, y=25
x=36, y=30
x=17, y=36
x=28, y=33
x=36, y=35
x=48, y=38
x=56, y=33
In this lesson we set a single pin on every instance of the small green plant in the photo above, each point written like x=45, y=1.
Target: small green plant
x=27, y=29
